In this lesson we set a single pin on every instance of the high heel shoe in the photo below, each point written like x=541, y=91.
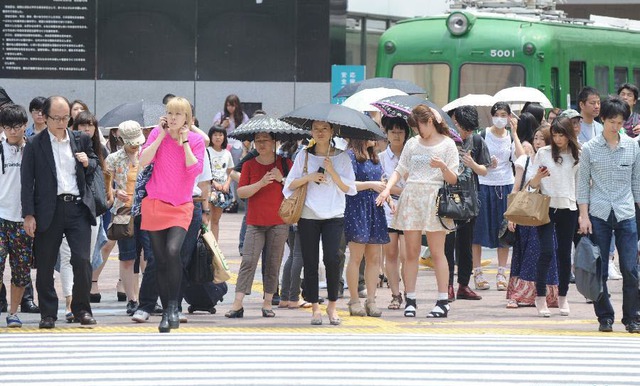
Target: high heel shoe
x=541, y=306
x=174, y=317
x=563, y=305
x=164, y=323
x=235, y=313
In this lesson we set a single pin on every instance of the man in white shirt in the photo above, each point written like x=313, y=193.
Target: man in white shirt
x=56, y=201
x=14, y=242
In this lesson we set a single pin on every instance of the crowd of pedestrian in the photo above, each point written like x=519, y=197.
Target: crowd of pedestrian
x=70, y=192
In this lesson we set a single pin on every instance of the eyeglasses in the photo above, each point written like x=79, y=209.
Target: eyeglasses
x=36, y=112
x=14, y=128
x=60, y=119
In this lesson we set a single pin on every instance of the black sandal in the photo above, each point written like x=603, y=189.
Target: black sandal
x=441, y=310
x=268, y=313
x=410, y=308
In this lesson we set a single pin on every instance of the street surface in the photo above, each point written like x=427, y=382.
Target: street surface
x=482, y=342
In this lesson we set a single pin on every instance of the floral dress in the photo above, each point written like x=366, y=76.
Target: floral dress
x=364, y=221
x=417, y=204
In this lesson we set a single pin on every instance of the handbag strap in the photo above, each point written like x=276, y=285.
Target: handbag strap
x=524, y=174
x=306, y=160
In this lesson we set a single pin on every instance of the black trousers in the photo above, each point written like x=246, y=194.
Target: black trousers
x=72, y=220
x=457, y=246
x=310, y=232
x=563, y=222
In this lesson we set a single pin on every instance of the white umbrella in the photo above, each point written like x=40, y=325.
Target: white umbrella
x=522, y=95
x=362, y=100
x=471, y=100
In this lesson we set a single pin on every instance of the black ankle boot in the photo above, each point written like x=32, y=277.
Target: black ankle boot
x=174, y=318
x=164, y=323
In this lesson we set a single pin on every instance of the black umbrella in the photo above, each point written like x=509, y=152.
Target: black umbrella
x=145, y=113
x=266, y=124
x=398, y=84
x=4, y=97
x=349, y=123
x=402, y=106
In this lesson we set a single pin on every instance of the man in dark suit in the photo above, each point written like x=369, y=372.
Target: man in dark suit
x=57, y=202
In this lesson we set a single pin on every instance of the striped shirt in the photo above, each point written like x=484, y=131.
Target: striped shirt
x=609, y=179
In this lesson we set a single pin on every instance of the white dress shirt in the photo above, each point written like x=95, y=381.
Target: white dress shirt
x=65, y=164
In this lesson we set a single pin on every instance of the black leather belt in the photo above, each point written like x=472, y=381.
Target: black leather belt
x=68, y=198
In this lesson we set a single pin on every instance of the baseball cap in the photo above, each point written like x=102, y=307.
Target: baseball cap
x=569, y=113
x=131, y=133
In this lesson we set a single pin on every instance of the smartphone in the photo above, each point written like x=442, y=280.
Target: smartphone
x=165, y=125
x=320, y=170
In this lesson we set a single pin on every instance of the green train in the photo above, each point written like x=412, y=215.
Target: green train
x=474, y=52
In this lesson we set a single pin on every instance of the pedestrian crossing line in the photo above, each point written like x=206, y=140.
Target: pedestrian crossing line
x=318, y=330
x=303, y=359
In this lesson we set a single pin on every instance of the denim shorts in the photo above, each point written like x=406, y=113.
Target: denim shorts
x=127, y=249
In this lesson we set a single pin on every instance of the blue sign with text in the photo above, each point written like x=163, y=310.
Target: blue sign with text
x=343, y=75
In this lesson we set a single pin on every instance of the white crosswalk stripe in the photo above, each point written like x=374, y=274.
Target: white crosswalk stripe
x=320, y=359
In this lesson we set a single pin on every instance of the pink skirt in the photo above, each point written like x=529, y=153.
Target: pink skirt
x=158, y=215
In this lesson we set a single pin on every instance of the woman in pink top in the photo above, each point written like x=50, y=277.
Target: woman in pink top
x=177, y=155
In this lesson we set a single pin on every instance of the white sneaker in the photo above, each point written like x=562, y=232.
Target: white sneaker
x=140, y=316
x=182, y=317
x=614, y=274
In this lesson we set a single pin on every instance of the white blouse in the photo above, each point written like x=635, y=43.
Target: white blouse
x=324, y=200
x=561, y=184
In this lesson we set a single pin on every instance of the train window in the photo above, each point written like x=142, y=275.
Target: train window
x=576, y=81
x=620, y=77
x=636, y=76
x=602, y=79
x=489, y=78
x=433, y=77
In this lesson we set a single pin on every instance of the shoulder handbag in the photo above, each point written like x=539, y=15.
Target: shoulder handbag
x=140, y=191
x=291, y=207
x=121, y=226
x=507, y=238
x=530, y=208
x=458, y=202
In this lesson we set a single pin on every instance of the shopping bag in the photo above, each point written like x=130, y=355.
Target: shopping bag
x=221, y=271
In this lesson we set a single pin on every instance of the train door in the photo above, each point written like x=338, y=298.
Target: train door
x=555, y=87
x=577, y=81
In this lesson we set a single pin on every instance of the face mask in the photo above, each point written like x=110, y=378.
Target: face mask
x=500, y=123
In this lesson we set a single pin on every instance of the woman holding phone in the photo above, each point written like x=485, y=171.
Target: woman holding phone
x=177, y=155
x=557, y=167
x=329, y=178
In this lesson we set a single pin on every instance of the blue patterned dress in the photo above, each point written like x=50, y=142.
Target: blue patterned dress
x=364, y=222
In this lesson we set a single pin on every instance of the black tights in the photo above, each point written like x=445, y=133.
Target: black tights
x=166, y=245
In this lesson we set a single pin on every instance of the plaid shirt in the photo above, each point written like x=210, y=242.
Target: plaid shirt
x=609, y=179
x=634, y=119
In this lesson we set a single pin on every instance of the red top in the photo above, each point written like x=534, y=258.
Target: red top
x=262, y=207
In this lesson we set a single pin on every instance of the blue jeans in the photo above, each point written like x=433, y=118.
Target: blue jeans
x=626, y=242
x=148, y=295
x=188, y=246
